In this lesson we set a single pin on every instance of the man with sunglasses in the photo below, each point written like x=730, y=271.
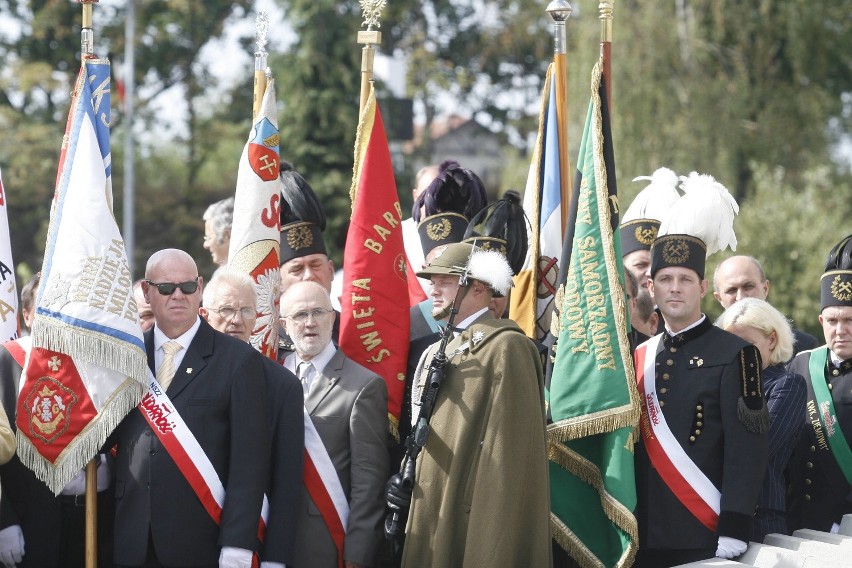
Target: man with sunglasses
x=230, y=304
x=346, y=438
x=215, y=384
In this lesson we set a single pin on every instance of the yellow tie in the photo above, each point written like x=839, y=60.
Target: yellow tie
x=167, y=368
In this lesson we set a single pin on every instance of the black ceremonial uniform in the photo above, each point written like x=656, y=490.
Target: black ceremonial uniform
x=819, y=494
x=700, y=374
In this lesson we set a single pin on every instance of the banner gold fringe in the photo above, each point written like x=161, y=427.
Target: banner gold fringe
x=86, y=445
x=588, y=473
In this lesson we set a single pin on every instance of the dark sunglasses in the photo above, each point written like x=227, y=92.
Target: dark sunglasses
x=168, y=288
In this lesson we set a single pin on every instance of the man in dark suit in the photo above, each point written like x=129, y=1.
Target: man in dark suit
x=230, y=307
x=741, y=277
x=347, y=405
x=215, y=383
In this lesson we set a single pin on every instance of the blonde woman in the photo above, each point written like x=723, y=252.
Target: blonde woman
x=757, y=322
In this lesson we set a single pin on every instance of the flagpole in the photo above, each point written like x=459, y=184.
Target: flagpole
x=560, y=11
x=261, y=27
x=605, y=9
x=87, y=51
x=372, y=10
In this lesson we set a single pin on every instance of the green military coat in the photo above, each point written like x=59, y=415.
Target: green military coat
x=481, y=496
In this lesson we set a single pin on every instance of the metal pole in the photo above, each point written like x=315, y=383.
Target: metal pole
x=129, y=100
x=560, y=11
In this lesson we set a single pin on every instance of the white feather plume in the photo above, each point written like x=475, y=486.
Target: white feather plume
x=491, y=267
x=705, y=211
x=654, y=201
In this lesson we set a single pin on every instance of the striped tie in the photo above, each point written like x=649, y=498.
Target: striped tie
x=167, y=368
x=304, y=374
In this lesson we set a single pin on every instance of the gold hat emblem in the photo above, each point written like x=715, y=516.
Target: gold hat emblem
x=646, y=234
x=841, y=290
x=439, y=230
x=300, y=237
x=675, y=251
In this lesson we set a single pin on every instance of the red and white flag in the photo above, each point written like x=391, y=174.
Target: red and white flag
x=8, y=290
x=87, y=367
x=374, y=317
x=255, y=232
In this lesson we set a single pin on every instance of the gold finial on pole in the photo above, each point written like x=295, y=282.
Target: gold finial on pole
x=261, y=70
x=372, y=10
x=87, y=36
x=605, y=10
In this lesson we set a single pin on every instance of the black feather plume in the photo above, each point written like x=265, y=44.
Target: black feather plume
x=840, y=257
x=299, y=202
x=455, y=189
x=504, y=219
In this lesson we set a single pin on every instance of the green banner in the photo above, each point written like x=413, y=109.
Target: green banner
x=592, y=394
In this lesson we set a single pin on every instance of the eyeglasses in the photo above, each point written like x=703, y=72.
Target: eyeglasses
x=302, y=317
x=168, y=288
x=228, y=312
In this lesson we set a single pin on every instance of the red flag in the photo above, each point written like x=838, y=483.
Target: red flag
x=374, y=318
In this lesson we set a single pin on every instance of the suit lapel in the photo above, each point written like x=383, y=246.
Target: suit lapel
x=324, y=382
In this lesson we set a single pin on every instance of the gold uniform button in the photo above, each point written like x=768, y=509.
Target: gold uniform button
x=673, y=349
x=699, y=415
x=664, y=390
x=813, y=448
x=834, y=373
x=699, y=424
x=692, y=438
x=807, y=497
x=829, y=385
x=807, y=481
x=669, y=362
x=698, y=431
x=809, y=465
x=666, y=376
x=699, y=408
x=662, y=403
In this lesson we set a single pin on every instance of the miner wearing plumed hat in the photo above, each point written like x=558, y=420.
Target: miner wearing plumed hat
x=487, y=430
x=303, y=255
x=703, y=450
x=821, y=468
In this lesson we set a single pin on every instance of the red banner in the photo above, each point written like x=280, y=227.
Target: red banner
x=374, y=318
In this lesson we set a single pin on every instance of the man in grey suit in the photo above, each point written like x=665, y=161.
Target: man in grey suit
x=347, y=405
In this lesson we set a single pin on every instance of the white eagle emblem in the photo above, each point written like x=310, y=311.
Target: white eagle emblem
x=478, y=336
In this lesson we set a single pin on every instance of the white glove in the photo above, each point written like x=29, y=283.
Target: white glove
x=835, y=528
x=730, y=547
x=272, y=565
x=232, y=557
x=11, y=546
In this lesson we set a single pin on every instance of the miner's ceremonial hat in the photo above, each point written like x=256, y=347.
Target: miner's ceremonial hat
x=836, y=281
x=302, y=217
x=641, y=222
x=444, y=209
x=698, y=224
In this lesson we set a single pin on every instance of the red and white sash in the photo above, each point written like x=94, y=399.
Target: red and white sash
x=324, y=487
x=678, y=471
x=187, y=453
x=19, y=348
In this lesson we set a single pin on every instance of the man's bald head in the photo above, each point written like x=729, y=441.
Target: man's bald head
x=739, y=277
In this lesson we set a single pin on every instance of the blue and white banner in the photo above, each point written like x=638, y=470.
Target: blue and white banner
x=88, y=366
